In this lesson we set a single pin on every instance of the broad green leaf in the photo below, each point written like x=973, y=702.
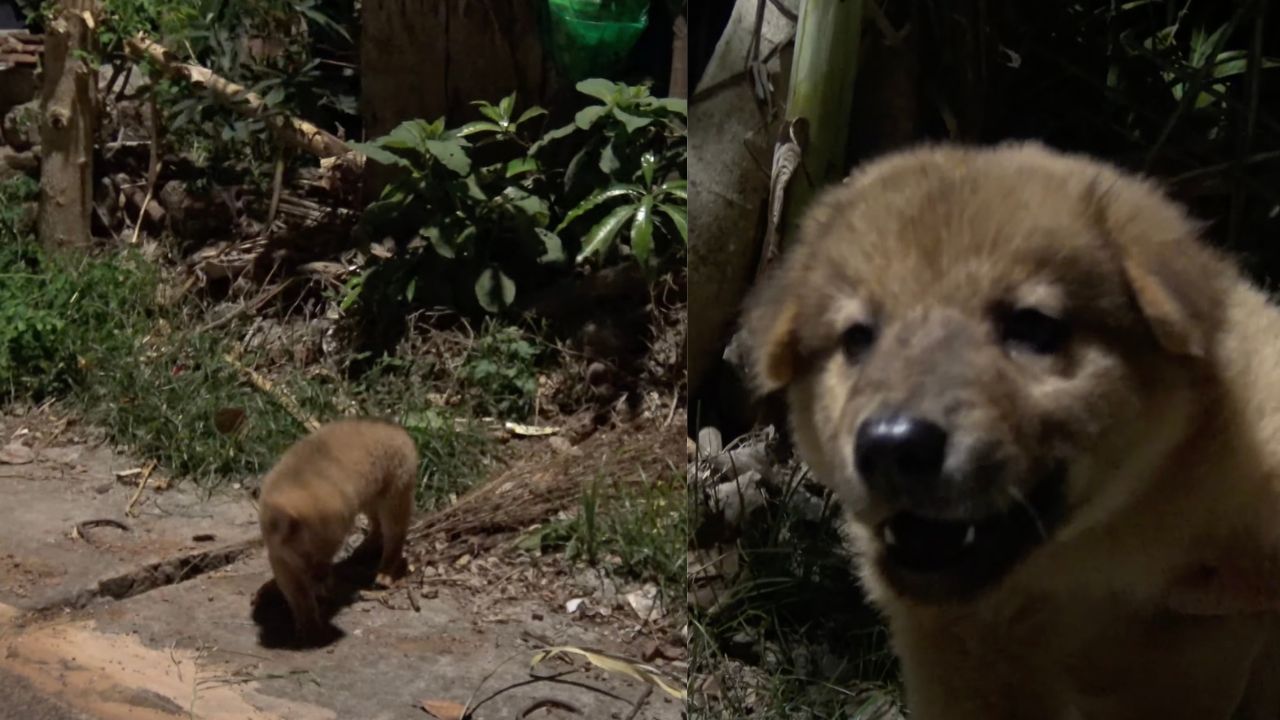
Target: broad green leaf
x=474, y=190
x=555, y=134
x=477, y=126
x=642, y=232
x=351, y=292
x=679, y=217
x=433, y=235
x=274, y=97
x=598, y=240
x=435, y=128
x=464, y=238
x=378, y=155
x=632, y=122
x=532, y=205
x=506, y=106
x=324, y=21
x=648, y=163
x=521, y=165
x=1236, y=62
x=599, y=88
x=609, y=162
x=1202, y=45
x=451, y=154
x=678, y=188
x=408, y=135
x=587, y=116
x=494, y=290
x=675, y=105
x=531, y=113
x=489, y=111
x=576, y=165
x=596, y=199
x=554, y=247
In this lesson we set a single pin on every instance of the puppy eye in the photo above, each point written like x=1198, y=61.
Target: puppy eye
x=857, y=340
x=1033, y=330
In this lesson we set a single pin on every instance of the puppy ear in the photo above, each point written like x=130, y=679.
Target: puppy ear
x=1177, y=281
x=769, y=320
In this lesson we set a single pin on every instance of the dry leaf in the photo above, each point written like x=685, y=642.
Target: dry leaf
x=444, y=709
x=608, y=663
x=530, y=430
x=644, y=601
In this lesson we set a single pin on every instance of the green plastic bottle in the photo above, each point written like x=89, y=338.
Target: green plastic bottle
x=590, y=38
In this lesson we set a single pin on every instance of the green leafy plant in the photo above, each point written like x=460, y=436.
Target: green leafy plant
x=486, y=222
x=626, y=126
x=500, y=373
x=475, y=206
x=268, y=46
x=639, y=207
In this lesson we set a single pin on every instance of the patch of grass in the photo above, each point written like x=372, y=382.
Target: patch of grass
x=87, y=328
x=500, y=373
x=790, y=635
x=637, y=528
x=453, y=450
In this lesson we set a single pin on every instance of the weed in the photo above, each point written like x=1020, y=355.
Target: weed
x=638, y=528
x=453, y=450
x=499, y=376
x=789, y=634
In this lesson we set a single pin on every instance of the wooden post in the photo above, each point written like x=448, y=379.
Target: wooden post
x=679, y=83
x=67, y=102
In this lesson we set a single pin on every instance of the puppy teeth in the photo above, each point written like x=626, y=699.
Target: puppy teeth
x=969, y=535
x=889, y=539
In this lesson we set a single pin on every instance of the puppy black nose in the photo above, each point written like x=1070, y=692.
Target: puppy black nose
x=899, y=454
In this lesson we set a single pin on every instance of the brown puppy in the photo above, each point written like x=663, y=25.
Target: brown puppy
x=1052, y=416
x=310, y=499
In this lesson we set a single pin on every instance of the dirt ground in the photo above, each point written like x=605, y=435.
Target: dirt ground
x=152, y=619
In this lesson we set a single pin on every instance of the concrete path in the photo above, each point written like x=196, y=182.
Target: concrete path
x=155, y=622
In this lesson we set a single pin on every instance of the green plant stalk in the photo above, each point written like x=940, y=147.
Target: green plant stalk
x=823, y=69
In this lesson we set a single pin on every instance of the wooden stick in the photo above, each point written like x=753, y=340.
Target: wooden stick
x=153, y=168
x=142, y=483
x=289, y=404
x=295, y=132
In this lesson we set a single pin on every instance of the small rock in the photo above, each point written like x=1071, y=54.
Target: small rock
x=737, y=499
x=563, y=446
x=16, y=453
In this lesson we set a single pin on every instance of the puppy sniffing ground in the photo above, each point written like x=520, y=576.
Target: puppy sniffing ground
x=310, y=499
x=1052, y=416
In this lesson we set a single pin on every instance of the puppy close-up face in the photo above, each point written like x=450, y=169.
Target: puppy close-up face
x=976, y=360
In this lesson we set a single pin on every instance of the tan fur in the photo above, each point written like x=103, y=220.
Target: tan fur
x=310, y=499
x=1155, y=597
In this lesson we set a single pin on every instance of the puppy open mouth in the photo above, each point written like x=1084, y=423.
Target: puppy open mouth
x=936, y=560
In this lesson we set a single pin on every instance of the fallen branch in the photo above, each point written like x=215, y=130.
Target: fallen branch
x=153, y=169
x=138, y=198
x=294, y=132
x=142, y=484
x=289, y=404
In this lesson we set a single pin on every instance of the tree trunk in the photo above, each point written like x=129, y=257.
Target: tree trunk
x=67, y=103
